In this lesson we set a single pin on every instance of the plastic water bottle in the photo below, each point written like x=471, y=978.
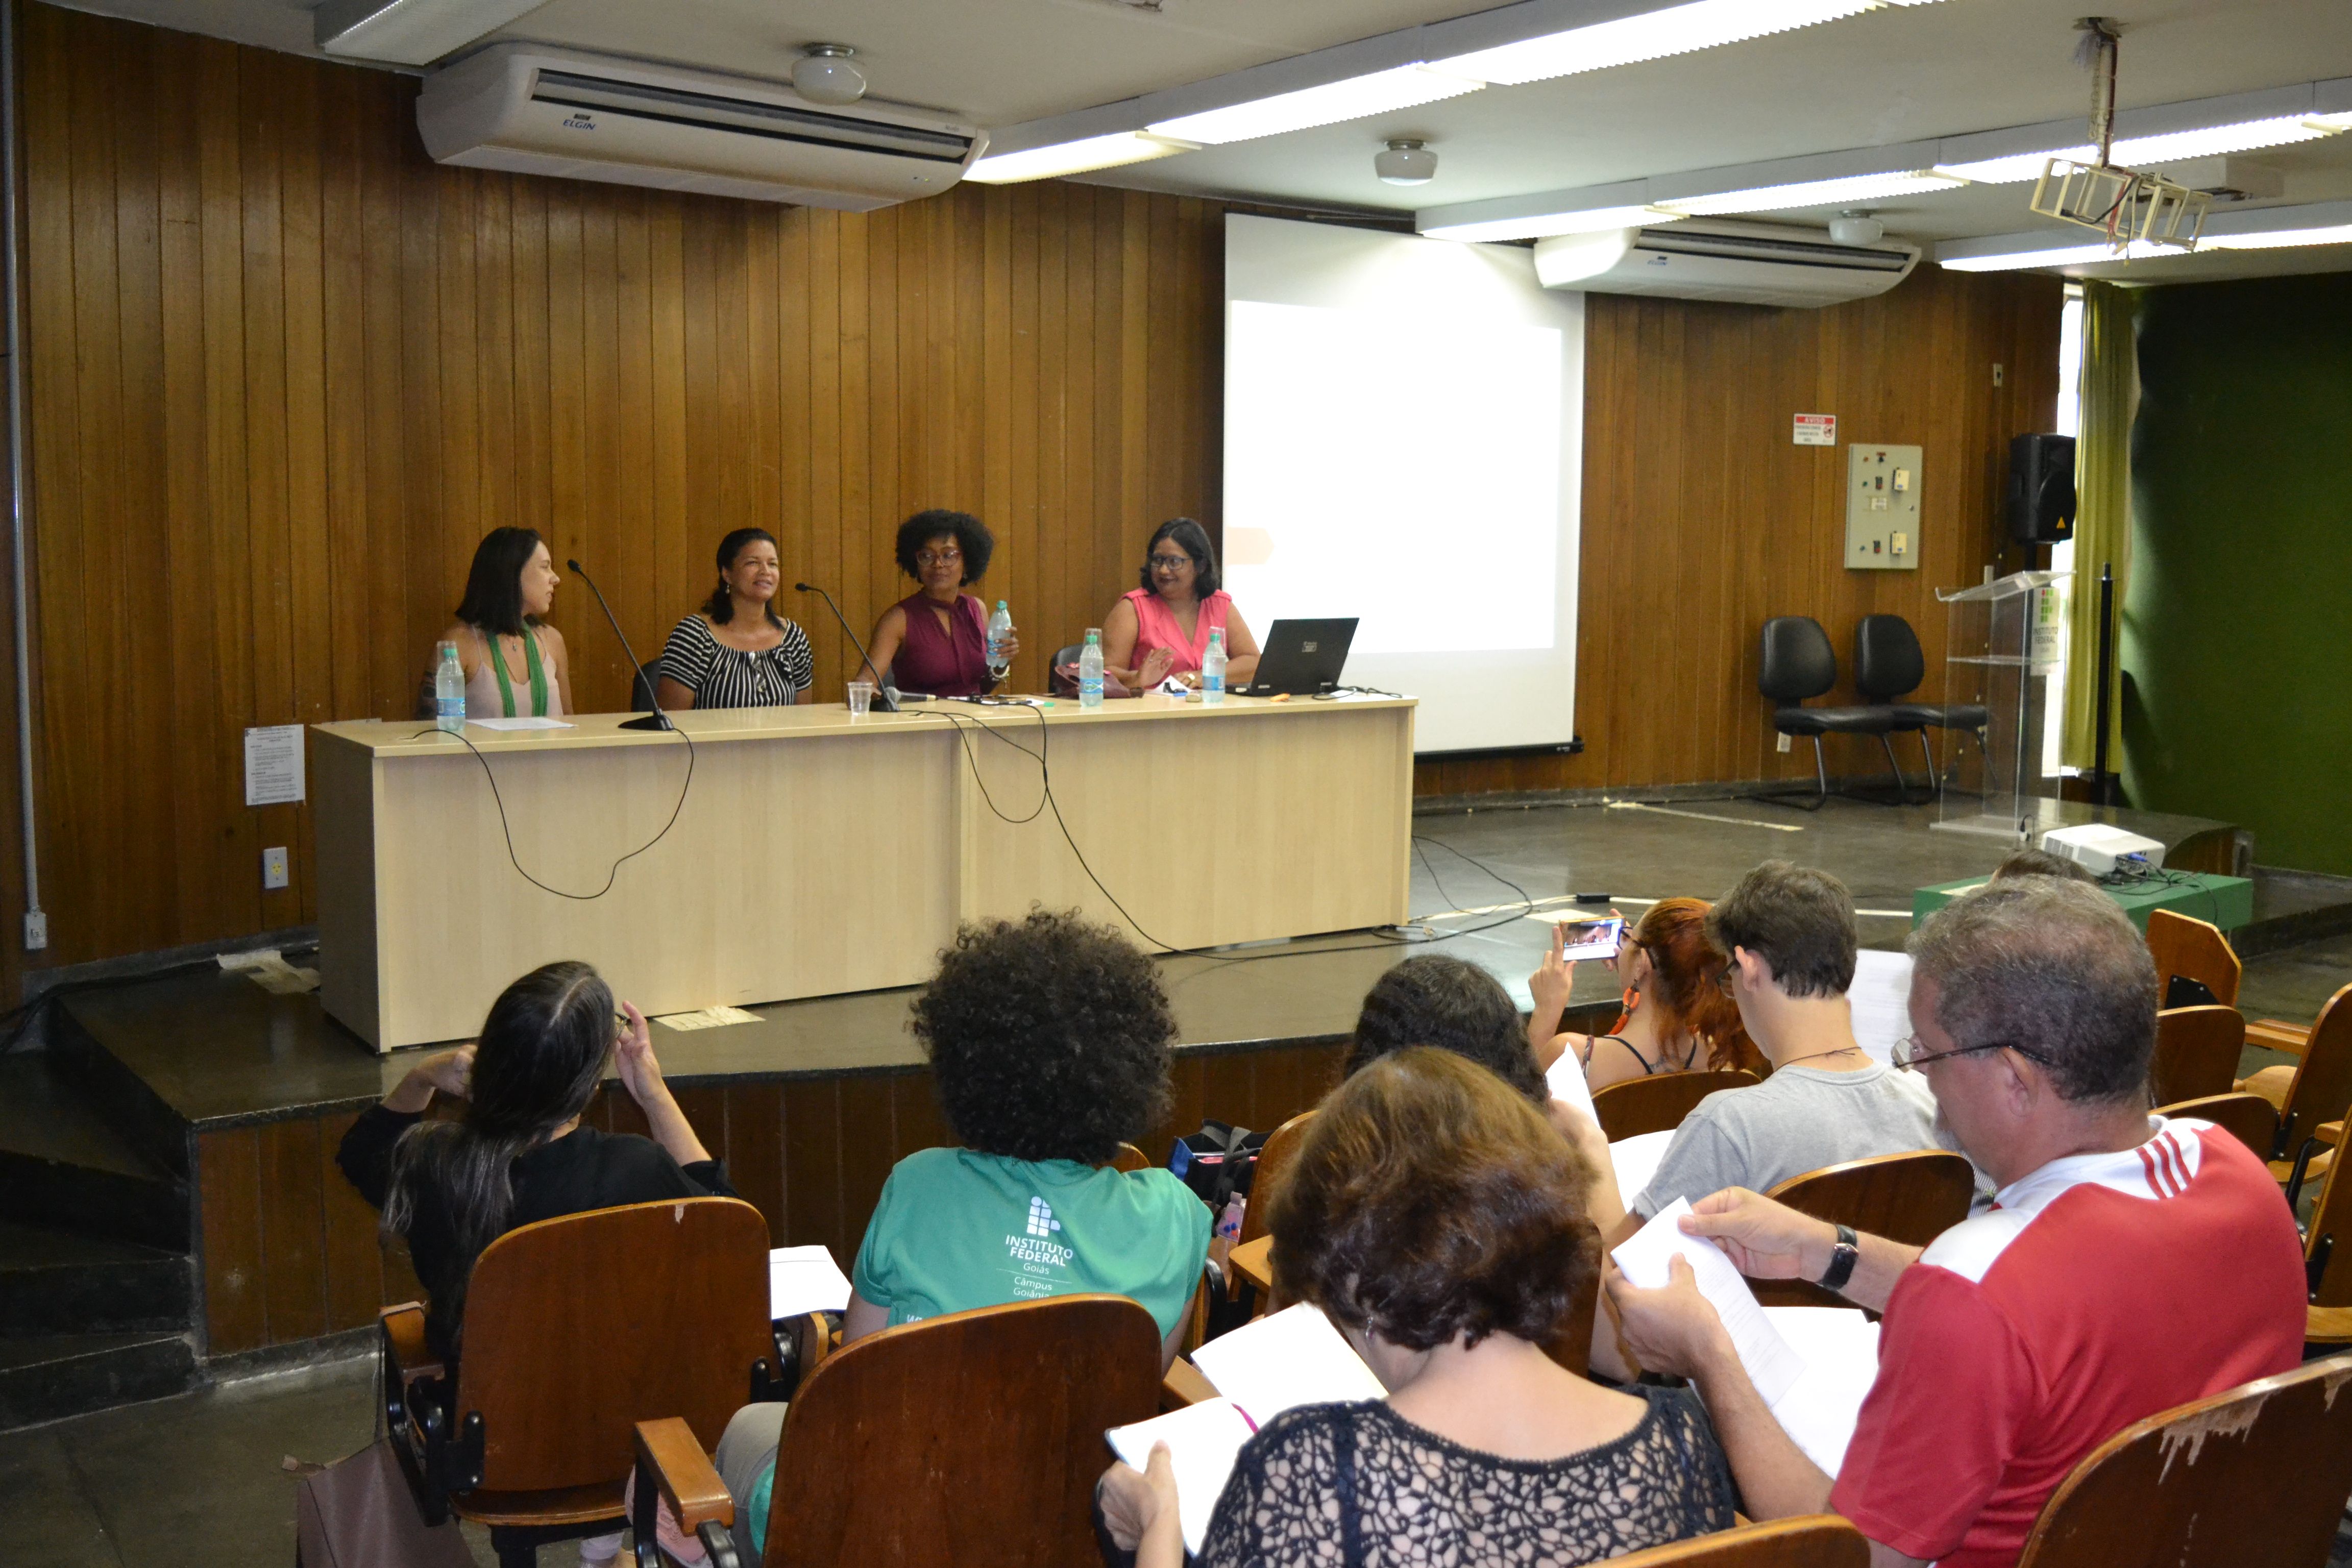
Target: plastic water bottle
x=1212, y=669
x=449, y=691
x=1090, y=668
x=999, y=625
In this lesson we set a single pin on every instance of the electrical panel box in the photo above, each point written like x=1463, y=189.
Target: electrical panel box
x=1882, y=507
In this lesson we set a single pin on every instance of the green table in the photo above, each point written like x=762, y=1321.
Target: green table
x=2226, y=901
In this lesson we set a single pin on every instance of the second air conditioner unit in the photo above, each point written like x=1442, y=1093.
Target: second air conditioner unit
x=536, y=110
x=1715, y=259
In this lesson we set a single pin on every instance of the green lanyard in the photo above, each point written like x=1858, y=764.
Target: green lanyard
x=538, y=673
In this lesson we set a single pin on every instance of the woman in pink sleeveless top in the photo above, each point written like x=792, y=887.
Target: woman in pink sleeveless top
x=1162, y=627
x=935, y=640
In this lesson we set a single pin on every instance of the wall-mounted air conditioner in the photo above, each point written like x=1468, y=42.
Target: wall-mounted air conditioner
x=538, y=110
x=1717, y=258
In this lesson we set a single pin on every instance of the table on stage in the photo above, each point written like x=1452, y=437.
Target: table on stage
x=816, y=854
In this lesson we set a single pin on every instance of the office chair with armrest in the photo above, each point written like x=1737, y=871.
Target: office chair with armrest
x=1798, y=662
x=1889, y=665
x=1911, y=1198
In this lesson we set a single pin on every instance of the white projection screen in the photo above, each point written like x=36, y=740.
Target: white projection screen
x=1403, y=425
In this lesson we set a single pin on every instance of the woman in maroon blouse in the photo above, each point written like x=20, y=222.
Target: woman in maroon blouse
x=935, y=640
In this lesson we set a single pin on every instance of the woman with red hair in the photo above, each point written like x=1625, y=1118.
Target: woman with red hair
x=1676, y=1018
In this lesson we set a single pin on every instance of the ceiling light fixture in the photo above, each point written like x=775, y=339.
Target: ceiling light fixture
x=2019, y=251
x=1815, y=192
x=823, y=75
x=2280, y=239
x=1074, y=157
x=409, y=32
x=1676, y=30
x=1855, y=229
x=1353, y=98
x=1549, y=225
x=1405, y=162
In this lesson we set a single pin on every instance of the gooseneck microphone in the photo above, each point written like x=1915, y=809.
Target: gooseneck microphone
x=656, y=719
x=882, y=702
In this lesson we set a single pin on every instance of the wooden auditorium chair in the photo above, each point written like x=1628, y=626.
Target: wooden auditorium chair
x=2197, y=1052
x=973, y=1438
x=2328, y=1278
x=1812, y=1541
x=2254, y=1476
x=1250, y=1262
x=576, y=1330
x=2249, y=1118
x=1659, y=1102
x=2193, y=950
x=1911, y=1198
x=2311, y=1096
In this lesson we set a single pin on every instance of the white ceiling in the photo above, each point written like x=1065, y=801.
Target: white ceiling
x=1889, y=76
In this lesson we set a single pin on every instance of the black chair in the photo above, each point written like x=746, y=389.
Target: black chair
x=1889, y=665
x=1798, y=662
x=641, y=687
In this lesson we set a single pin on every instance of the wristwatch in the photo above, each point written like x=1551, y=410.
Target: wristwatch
x=1842, y=1254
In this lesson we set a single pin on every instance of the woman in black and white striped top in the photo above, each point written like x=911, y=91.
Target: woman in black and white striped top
x=735, y=652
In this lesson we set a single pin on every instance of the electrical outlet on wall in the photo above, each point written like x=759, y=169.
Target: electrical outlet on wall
x=1783, y=742
x=273, y=868
x=1996, y=374
x=37, y=930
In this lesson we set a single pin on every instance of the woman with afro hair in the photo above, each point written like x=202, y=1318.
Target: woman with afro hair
x=935, y=640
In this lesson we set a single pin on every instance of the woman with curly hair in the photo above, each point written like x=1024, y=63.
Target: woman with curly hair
x=1430, y=1214
x=1676, y=1017
x=935, y=640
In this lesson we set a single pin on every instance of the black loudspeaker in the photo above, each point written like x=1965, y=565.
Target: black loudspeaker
x=2041, y=502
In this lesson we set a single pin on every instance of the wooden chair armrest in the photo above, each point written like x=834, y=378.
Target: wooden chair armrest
x=1252, y=1263
x=688, y=1482
x=403, y=1341
x=2327, y=1325
x=2277, y=1034
x=1185, y=1385
x=2331, y=1134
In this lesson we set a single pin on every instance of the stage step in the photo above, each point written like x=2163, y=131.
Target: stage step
x=51, y=1377
x=53, y=1282
x=63, y=1166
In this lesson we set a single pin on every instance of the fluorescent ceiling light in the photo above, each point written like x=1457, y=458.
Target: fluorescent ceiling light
x=1676, y=30
x=1546, y=225
x=2018, y=167
x=1353, y=99
x=2154, y=152
x=409, y=32
x=1815, y=192
x=1074, y=157
x=2066, y=252
x=2280, y=239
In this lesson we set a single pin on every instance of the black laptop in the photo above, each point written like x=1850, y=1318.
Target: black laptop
x=1301, y=657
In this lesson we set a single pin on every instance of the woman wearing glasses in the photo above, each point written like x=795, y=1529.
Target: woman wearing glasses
x=935, y=640
x=1162, y=627
x=1676, y=1018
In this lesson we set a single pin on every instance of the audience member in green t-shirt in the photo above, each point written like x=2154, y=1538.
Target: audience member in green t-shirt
x=1049, y=1042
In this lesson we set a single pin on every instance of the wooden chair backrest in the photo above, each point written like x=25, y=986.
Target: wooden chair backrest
x=1815, y=1541
x=1911, y=1198
x=2197, y=1051
x=973, y=1438
x=579, y=1327
x=1130, y=1158
x=2321, y=1090
x=2194, y=948
x=2331, y=1228
x=2250, y=1478
x=1659, y=1102
x=1272, y=1159
x=2249, y=1118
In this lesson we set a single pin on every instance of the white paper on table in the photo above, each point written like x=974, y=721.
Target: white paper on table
x=1567, y=1082
x=1203, y=1440
x=1635, y=1161
x=708, y=1018
x=805, y=1280
x=1881, y=998
x=1291, y=1358
x=528, y=723
x=1839, y=1346
x=1771, y=1365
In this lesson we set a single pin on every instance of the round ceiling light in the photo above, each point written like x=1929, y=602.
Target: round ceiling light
x=1405, y=162
x=1854, y=228
x=823, y=75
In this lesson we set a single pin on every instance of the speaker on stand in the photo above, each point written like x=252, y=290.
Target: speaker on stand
x=2040, y=498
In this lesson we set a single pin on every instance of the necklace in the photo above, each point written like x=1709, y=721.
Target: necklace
x=1840, y=1051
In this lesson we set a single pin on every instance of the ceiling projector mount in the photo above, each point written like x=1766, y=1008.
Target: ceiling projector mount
x=2126, y=206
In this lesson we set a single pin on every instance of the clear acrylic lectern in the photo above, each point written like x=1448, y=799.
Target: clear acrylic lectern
x=2004, y=647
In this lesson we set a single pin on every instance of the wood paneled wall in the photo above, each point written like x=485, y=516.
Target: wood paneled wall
x=289, y=1253
x=285, y=372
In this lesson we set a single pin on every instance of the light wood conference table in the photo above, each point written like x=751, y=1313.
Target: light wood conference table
x=817, y=854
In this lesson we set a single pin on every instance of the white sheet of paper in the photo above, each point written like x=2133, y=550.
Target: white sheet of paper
x=1881, y=997
x=1567, y=1080
x=528, y=723
x=1635, y=1161
x=707, y=1018
x=1771, y=1365
x=1203, y=1440
x=805, y=1280
x=273, y=765
x=1293, y=1357
x=1840, y=1349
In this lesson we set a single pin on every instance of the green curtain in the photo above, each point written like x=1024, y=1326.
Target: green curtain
x=2110, y=393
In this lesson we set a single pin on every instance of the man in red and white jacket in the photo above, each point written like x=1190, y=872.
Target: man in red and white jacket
x=2128, y=1264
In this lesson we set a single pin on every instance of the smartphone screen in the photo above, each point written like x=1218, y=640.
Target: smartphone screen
x=1592, y=939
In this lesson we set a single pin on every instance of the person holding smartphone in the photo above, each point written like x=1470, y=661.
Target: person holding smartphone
x=1675, y=1017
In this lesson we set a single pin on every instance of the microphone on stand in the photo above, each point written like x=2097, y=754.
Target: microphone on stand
x=656, y=719
x=882, y=701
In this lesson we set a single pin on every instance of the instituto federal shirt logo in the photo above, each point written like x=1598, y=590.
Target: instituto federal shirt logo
x=1041, y=1217
x=1040, y=1265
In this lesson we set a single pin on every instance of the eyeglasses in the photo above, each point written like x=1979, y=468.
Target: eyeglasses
x=938, y=557
x=1908, y=1056
x=1171, y=563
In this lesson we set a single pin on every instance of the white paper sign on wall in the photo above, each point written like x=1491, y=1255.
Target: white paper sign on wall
x=273, y=765
x=1816, y=430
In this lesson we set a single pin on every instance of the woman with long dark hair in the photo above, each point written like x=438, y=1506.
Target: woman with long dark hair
x=736, y=651
x=1162, y=628
x=514, y=661
x=517, y=1154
